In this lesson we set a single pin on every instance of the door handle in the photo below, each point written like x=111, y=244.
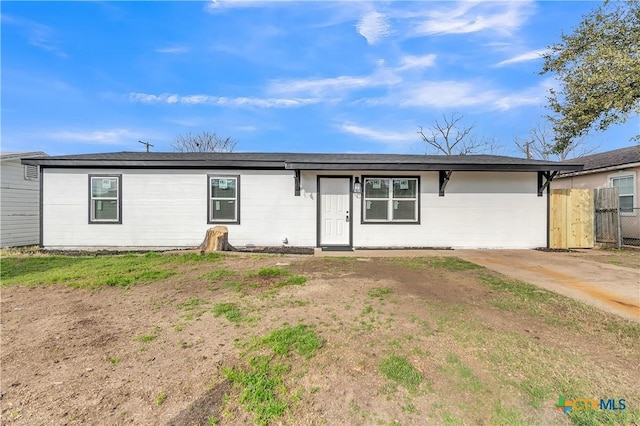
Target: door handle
x=347, y=215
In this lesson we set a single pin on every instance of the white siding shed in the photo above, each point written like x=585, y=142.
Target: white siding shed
x=20, y=200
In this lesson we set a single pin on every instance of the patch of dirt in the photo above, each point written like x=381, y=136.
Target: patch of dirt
x=275, y=250
x=77, y=356
x=208, y=406
x=104, y=252
x=552, y=250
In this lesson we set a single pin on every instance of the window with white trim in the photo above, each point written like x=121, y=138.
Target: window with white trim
x=224, y=199
x=390, y=200
x=105, y=199
x=626, y=192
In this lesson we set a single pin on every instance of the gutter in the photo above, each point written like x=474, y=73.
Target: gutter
x=600, y=170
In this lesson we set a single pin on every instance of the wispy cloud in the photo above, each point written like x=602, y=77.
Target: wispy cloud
x=518, y=99
x=146, y=98
x=339, y=86
x=531, y=96
x=38, y=35
x=444, y=94
x=172, y=49
x=409, y=62
x=239, y=101
x=374, y=26
x=524, y=57
x=471, y=17
x=99, y=137
x=378, y=135
x=434, y=94
x=216, y=6
x=343, y=85
x=447, y=94
x=246, y=128
x=186, y=122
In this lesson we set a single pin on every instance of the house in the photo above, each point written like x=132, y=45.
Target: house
x=138, y=200
x=611, y=169
x=20, y=195
x=620, y=169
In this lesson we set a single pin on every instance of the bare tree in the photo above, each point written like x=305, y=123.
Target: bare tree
x=450, y=137
x=540, y=145
x=203, y=142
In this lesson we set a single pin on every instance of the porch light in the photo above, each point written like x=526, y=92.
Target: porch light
x=357, y=186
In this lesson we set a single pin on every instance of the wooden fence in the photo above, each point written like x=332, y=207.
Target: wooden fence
x=571, y=218
x=607, y=226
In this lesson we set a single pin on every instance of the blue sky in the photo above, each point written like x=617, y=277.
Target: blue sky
x=81, y=77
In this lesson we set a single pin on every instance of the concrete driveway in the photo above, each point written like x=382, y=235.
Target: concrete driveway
x=613, y=288
x=577, y=274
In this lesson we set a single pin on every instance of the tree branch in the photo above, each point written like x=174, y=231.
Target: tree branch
x=203, y=142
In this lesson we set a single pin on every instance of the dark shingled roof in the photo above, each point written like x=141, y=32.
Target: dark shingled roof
x=608, y=159
x=301, y=161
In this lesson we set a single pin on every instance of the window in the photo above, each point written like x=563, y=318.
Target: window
x=224, y=196
x=105, y=196
x=390, y=200
x=625, y=191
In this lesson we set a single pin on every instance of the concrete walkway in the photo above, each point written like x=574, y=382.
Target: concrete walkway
x=612, y=288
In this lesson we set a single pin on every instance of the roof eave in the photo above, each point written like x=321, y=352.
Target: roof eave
x=600, y=170
x=431, y=167
x=280, y=165
x=157, y=164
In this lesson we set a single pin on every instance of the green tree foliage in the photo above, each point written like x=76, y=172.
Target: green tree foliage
x=598, y=67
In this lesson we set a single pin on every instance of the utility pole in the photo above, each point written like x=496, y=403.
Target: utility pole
x=526, y=147
x=147, y=144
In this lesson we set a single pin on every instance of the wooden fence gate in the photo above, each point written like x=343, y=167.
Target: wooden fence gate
x=571, y=218
x=607, y=219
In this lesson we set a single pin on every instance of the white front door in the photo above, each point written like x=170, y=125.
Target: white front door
x=335, y=217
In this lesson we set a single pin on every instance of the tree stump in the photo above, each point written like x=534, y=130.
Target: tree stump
x=216, y=239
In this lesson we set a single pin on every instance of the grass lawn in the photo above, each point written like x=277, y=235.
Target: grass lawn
x=236, y=339
x=93, y=272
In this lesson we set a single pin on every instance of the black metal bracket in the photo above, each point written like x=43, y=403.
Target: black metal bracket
x=544, y=180
x=445, y=175
x=296, y=176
